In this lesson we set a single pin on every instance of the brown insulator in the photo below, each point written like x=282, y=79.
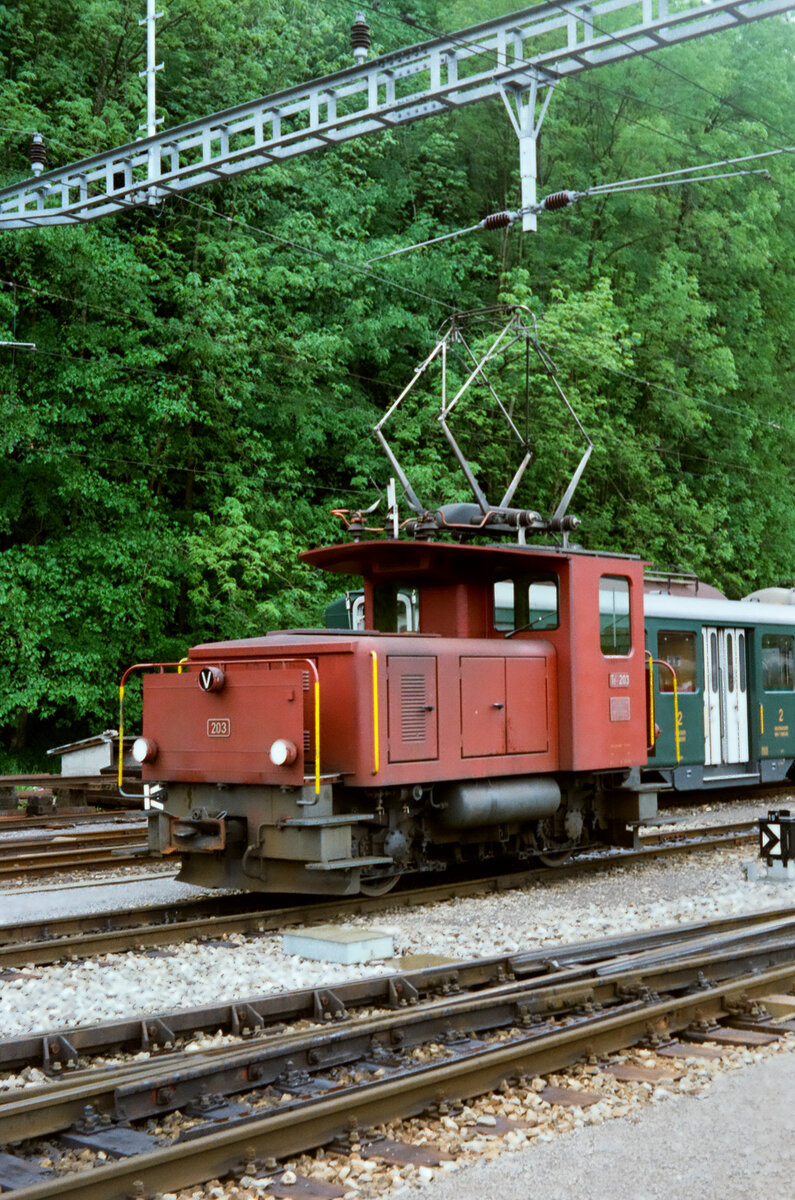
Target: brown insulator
x=360, y=38
x=558, y=200
x=37, y=154
x=497, y=220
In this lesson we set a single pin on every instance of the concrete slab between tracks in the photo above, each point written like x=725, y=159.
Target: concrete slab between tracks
x=735, y=1142
x=339, y=944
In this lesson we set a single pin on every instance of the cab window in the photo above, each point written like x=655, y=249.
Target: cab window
x=526, y=603
x=615, y=637
x=777, y=662
x=396, y=609
x=678, y=648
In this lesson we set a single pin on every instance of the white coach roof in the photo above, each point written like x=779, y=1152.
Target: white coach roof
x=718, y=612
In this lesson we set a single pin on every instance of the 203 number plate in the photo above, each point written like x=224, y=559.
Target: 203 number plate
x=219, y=727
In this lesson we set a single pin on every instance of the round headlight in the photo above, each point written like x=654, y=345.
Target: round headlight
x=144, y=750
x=282, y=753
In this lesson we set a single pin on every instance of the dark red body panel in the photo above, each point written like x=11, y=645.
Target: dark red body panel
x=599, y=714
x=595, y=734
x=457, y=700
x=224, y=737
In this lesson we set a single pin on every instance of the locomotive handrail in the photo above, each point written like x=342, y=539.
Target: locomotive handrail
x=161, y=666
x=652, y=737
x=662, y=663
x=374, y=658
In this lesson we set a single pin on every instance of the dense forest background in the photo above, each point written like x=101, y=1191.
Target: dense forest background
x=208, y=373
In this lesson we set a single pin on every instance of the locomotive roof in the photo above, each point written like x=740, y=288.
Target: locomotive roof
x=442, y=561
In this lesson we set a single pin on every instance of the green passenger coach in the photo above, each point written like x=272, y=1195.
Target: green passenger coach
x=735, y=689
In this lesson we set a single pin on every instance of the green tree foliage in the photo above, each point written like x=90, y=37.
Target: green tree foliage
x=208, y=373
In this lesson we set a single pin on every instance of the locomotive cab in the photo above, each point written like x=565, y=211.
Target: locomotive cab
x=493, y=703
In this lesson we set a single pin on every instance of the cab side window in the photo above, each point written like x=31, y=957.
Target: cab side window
x=396, y=609
x=615, y=636
x=526, y=603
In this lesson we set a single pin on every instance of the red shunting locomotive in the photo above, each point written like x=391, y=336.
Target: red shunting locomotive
x=503, y=711
x=320, y=761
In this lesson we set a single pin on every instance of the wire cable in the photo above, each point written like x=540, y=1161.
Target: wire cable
x=563, y=199
x=357, y=268
x=663, y=66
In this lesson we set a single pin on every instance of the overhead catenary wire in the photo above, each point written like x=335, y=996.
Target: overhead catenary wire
x=663, y=66
x=563, y=199
x=152, y=321
x=357, y=267
x=126, y=368
x=744, y=414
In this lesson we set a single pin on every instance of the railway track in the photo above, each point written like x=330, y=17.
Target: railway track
x=68, y=818
x=399, y=1045
x=71, y=850
x=40, y=942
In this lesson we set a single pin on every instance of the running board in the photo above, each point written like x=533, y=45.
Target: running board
x=696, y=777
x=349, y=864
x=749, y=777
x=323, y=822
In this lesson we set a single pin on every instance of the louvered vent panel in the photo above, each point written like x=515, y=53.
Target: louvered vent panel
x=305, y=676
x=307, y=741
x=412, y=708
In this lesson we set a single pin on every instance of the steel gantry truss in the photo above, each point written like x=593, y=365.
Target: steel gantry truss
x=519, y=58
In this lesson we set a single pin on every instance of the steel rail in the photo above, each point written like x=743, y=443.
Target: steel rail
x=67, y=818
x=40, y=942
x=259, y=1013
x=140, y=1090
x=78, y=851
x=301, y=1125
x=716, y=833
x=66, y=838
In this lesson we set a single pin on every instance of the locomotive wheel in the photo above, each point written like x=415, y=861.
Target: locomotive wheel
x=379, y=887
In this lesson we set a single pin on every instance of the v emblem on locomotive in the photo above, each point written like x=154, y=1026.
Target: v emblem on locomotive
x=475, y=699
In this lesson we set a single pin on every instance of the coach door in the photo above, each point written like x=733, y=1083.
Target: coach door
x=725, y=696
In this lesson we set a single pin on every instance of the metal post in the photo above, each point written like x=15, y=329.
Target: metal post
x=393, y=517
x=521, y=104
x=152, y=67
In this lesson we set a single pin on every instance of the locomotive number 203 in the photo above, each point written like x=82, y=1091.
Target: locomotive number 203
x=219, y=727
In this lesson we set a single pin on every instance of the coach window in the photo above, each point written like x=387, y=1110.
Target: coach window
x=678, y=649
x=615, y=637
x=777, y=662
x=741, y=659
x=527, y=603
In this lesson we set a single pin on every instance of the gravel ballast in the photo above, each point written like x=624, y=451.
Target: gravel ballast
x=624, y=899
x=723, y=1106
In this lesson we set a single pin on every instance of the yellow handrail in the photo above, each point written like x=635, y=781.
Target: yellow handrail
x=121, y=732
x=652, y=738
x=374, y=658
x=662, y=663
x=317, y=728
